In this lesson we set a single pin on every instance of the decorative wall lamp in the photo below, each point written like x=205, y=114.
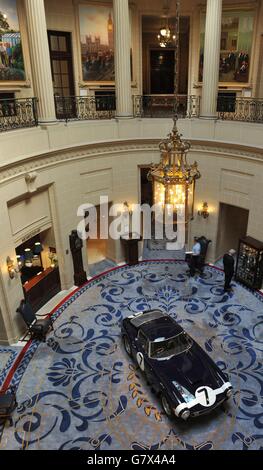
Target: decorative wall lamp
x=53, y=259
x=12, y=269
x=129, y=208
x=204, y=212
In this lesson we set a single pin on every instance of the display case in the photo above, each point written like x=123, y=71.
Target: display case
x=249, y=267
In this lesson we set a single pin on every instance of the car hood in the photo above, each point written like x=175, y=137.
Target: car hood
x=191, y=369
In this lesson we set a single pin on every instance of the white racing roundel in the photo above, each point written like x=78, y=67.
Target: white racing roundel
x=140, y=360
x=205, y=396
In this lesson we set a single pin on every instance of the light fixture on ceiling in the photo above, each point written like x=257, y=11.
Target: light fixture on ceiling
x=28, y=255
x=165, y=36
x=38, y=248
x=174, y=178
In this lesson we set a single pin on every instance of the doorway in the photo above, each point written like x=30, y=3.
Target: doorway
x=232, y=225
x=146, y=187
x=162, y=72
x=62, y=72
x=97, y=247
x=158, y=63
x=39, y=271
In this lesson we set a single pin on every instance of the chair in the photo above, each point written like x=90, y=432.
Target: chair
x=7, y=405
x=37, y=329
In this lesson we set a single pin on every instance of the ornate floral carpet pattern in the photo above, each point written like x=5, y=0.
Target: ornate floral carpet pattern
x=7, y=358
x=79, y=390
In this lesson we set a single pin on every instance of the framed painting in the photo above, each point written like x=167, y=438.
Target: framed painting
x=96, y=32
x=12, y=68
x=236, y=46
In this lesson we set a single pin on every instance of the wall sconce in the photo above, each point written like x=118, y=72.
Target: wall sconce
x=10, y=267
x=12, y=270
x=204, y=212
x=53, y=259
x=129, y=208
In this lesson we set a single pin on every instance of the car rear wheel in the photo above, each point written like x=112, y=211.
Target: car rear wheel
x=127, y=345
x=166, y=406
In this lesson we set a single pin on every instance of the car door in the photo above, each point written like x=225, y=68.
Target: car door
x=139, y=349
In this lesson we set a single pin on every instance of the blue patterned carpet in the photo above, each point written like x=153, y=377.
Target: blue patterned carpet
x=81, y=391
x=7, y=358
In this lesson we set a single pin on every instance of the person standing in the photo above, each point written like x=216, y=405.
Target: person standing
x=229, y=268
x=196, y=251
x=204, y=242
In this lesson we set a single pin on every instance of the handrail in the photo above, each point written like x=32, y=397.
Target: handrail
x=18, y=113
x=240, y=109
x=81, y=108
x=163, y=106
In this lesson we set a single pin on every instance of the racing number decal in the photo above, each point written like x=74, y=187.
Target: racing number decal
x=205, y=396
x=140, y=360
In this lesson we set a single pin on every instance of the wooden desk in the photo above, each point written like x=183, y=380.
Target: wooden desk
x=40, y=289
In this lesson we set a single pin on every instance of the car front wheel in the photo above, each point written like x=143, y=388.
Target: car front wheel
x=127, y=345
x=166, y=406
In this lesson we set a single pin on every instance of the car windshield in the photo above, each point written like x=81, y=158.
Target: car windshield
x=170, y=347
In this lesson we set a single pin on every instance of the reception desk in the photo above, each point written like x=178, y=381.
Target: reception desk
x=41, y=288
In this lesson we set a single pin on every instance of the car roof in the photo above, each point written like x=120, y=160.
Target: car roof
x=138, y=319
x=161, y=329
x=156, y=324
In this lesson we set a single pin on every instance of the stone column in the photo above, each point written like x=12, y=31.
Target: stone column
x=40, y=60
x=211, y=58
x=122, y=58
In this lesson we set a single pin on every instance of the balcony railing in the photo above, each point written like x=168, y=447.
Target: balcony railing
x=240, y=109
x=82, y=108
x=22, y=113
x=18, y=114
x=163, y=106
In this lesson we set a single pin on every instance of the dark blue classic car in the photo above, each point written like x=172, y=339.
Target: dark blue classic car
x=188, y=381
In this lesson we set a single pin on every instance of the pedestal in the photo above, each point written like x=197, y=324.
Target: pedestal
x=131, y=245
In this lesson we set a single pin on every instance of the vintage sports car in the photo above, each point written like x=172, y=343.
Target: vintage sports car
x=188, y=381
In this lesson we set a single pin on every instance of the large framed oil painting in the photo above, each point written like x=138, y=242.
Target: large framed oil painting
x=96, y=30
x=236, y=46
x=12, y=67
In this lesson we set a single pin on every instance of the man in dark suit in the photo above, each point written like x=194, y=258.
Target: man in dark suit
x=229, y=268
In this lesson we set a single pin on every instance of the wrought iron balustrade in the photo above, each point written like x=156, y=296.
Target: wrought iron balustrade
x=163, y=106
x=18, y=113
x=82, y=108
x=240, y=109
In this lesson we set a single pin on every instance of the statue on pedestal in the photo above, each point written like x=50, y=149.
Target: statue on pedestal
x=76, y=245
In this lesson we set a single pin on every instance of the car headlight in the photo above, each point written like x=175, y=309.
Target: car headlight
x=185, y=415
x=229, y=393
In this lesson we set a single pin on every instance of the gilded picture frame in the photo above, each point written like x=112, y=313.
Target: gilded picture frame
x=95, y=41
x=236, y=48
x=15, y=60
x=95, y=44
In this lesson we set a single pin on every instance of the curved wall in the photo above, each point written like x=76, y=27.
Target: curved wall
x=68, y=165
